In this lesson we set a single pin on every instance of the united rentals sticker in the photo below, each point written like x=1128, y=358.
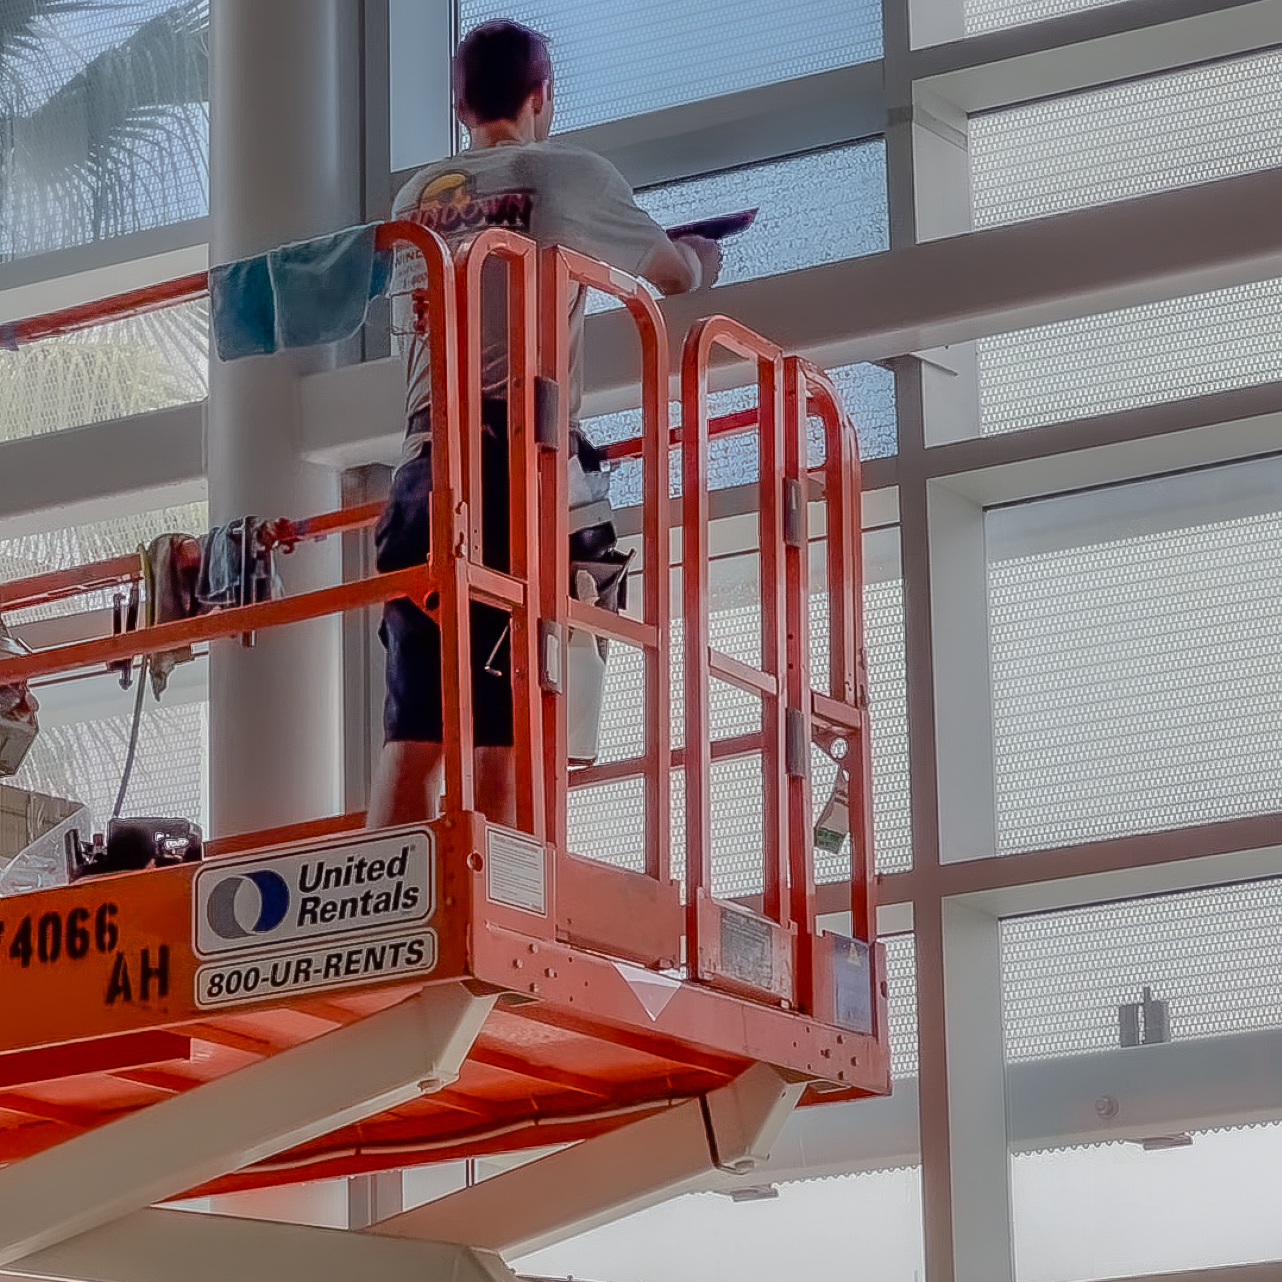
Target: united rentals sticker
x=300, y=897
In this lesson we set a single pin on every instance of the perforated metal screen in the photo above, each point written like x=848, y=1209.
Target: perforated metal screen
x=901, y=1003
x=991, y=15
x=1135, y=658
x=618, y=60
x=1215, y=955
x=1140, y=356
x=1130, y=139
x=83, y=761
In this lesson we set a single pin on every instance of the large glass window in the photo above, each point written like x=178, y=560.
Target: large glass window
x=606, y=820
x=815, y=208
x=104, y=120
x=620, y=60
x=149, y=362
x=868, y=1223
x=1124, y=1210
x=24, y=555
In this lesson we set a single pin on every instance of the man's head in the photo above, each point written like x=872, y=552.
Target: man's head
x=501, y=69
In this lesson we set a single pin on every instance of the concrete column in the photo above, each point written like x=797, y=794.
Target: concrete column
x=978, y=1149
x=285, y=163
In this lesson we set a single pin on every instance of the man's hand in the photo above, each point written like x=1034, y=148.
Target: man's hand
x=678, y=266
x=708, y=252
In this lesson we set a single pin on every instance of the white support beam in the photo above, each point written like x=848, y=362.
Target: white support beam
x=84, y=273
x=578, y=1188
x=1097, y=45
x=77, y=467
x=963, y=689
x=184, y=1246
x=275, y=1104
x=978, y=1147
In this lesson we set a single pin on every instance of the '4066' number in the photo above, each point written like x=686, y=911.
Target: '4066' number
x=47, y=938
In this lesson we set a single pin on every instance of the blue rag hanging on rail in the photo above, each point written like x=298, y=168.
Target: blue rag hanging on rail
x=312, y=291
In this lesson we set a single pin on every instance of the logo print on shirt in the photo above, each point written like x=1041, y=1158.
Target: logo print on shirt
x=449, y=206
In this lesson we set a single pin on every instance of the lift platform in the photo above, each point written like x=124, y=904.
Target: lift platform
x=327, y=1000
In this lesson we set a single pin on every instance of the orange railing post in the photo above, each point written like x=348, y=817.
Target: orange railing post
x=844, y=713
x=517, y=256
x=564, y=269
x=759, y=954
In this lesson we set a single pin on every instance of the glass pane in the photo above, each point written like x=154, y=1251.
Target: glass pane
x=1134, y=640
x=30, y=554
x=1131, y=139
x=792, y=197
x=606, y=821
x=80, y=751
x=148, y=362
x=1140, y=356
x=868, y=392
x=85, y=721
x=839, y=192
x=614, y=60
x=104, y=120
x=1117, y=1210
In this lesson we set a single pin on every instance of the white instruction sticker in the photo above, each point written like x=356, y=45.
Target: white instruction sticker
x=515, y=872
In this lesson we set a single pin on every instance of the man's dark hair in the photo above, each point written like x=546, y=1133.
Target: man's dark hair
x=496, y=68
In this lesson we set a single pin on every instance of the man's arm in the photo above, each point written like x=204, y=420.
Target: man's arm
x=678, y=266
x=590, y=207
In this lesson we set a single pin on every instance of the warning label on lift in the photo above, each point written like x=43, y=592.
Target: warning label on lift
x=310, y=970
x=301, y=896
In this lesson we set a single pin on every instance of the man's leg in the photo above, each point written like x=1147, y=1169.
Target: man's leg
x=407, y=784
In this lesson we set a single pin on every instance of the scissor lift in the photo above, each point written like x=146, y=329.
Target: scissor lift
x=324, y=1000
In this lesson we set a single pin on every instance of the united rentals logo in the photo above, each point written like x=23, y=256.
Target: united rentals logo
x=254, y=904
x=361, y=885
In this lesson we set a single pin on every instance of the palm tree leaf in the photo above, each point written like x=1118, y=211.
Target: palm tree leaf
x=19, y=18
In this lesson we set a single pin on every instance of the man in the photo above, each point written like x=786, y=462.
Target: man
x=510, y=176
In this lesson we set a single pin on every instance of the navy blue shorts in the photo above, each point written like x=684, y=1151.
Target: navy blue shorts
x=412, y=710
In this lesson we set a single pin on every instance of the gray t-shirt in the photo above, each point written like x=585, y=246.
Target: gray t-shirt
x=554, y=192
